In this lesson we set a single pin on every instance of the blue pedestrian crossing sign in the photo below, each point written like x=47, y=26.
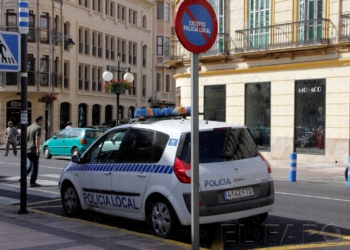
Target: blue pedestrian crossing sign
x=10, y=56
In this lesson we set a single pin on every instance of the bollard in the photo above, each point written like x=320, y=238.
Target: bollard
x=293, y=167
x=348, y=171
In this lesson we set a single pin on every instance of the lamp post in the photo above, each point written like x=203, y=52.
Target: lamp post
x=53, y=39
x=108, y=76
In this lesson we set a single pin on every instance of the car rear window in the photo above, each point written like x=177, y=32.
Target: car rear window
x=221, y=145
x=93, y=134
x=74, y=133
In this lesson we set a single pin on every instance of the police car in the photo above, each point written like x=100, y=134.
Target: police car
x=142, y=171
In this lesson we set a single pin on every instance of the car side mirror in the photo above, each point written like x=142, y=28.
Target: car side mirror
x=76, y=159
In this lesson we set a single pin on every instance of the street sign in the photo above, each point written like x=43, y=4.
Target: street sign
x=196, y=25
x=10, y=56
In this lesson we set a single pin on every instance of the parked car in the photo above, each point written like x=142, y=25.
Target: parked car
x=70, y=141
x=103, y=128
x=142, y=171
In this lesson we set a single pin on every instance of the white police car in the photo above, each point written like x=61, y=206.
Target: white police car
x=142, y=171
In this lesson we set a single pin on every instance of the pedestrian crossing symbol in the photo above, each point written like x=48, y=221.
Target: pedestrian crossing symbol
x=9, y=51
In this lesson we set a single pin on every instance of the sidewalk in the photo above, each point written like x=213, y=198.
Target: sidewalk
x=40, y=230
x=310, y=171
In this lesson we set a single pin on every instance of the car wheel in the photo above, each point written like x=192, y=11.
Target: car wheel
x=70, y=200
x=75, y=151
x=47, y=153
x=346, y=173
x=253, y=220
x=161, y=217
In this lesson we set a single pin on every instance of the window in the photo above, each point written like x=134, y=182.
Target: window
x=31, y=33
x=66, y=75
x=160, y=10
x=220, y=146
x=134, y=53
x=310, y=28
x=257, y=113
x=167, y=12
x=11, y=21
x=74, y=133
x=121, y=12
x=259, y=19
x=159, y=45
x=310, y=110
x=144, y=146
x=144, y=22
x=44, y=28
x=62, y=134
x=215, y=103
x=31, y=70
x=144, y=84
x=44, y=71
x=159, y=82
x=167, y=83
x=144, y=55
x=86, y=78
x=123, y=51
x=112, y=10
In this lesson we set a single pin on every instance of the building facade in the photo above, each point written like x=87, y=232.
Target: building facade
x=282, y=69
x=163, y=32
x=104, y=31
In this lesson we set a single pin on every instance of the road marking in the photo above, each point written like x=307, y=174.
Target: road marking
x=41, y=202
x=15, y=164
x=311, y=196
x=306, y=246
x=311, y=231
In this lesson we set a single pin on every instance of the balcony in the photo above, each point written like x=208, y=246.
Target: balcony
x=345, y=28
x=165, y=97
x=290, y=35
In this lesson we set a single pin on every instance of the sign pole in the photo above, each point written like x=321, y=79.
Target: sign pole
x=196, y=27
x=23, y=24
x=194, y=153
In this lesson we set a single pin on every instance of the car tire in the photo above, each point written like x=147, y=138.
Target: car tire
x=253, y=220
x=75, y=151
x=346, y=173
x=161, y=217
x=70, y=200
x=47, y=153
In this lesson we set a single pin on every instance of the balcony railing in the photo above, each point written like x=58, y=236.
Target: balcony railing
x=99, y=52
x=93, y=50
x=345, y=27
x=296, y=34
x=171, y=51
x=222, y=46
x=86, y=85
x=93, y=86
x=80, y=47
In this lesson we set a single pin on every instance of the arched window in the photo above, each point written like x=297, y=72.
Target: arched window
x=108, y=113
x=82, y=115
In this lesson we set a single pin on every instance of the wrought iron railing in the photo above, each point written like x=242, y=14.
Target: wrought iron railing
x=56, y=80
x=296, y=34
x=345, y=27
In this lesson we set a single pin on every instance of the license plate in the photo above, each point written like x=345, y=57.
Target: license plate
x=237, y=193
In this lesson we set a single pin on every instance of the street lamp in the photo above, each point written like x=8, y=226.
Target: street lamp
x=53, y=39
x=108, y=76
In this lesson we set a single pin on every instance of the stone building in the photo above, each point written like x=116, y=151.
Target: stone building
x=281, y=68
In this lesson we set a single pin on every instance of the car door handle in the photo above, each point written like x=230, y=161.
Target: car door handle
x=141, y=175
x=107, y=173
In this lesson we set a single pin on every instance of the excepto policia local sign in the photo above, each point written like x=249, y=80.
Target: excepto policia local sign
x=196, y=25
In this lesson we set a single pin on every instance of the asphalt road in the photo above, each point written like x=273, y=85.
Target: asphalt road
x=307, y=215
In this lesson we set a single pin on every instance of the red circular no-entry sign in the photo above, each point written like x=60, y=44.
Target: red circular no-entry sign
x=196, y=25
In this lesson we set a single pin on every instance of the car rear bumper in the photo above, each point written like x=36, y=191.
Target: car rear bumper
x=232, y=207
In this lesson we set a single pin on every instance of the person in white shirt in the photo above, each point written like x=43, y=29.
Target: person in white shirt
x=69, y=125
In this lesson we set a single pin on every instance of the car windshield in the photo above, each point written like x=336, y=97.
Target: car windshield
x=93, y=134
x=221, y=145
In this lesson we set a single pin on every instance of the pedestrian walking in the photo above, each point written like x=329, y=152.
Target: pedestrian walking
x=33, y=149
x=11, y=134
x=69, y=125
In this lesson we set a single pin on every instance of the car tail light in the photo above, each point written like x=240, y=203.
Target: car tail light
x=269, y=170
x=83, y=141
x=180, y=169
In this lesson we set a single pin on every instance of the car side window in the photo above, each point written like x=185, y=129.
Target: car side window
x=74, y=133
x=106, y=150
x=145, y=146
x=62, y=134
